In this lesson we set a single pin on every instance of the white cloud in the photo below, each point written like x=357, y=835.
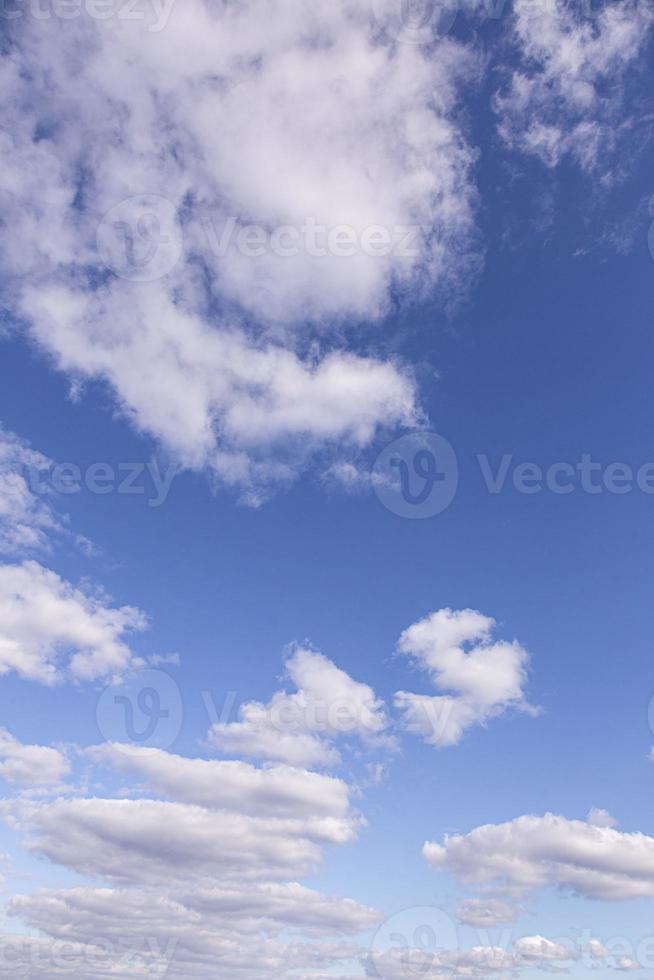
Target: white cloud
x=298, y=728
x=269, y=907
x=155, y=842
x=249, y=410
x=534, y=852
x=277, y=791
x=30, y=765
x=543, y=950
x=483, y=678
x=208, y=114
x=478, y=962
x=567, y=96
x=26, y=519
x=49, y=629
x=484, y=913
x=626, y=963
x=233, y=926
x=37, y=958
x=601, y=818
x=272, y=906
x=403, y=961
x=197, y=886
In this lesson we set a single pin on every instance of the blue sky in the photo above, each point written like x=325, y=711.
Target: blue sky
x=494, y=656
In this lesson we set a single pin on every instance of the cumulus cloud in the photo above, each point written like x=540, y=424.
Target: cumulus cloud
x=156, y=842
x=534, y=852
x=206, y=876
x=50, y=630
x=226, y=353
x=483, y=677
x=248, y=410
x=30, y=765
x=269, y=907
x=567, y=96
x=537, y=948
x=299, y=728
x=277, y=791
x=196, y=885
x=189, y=933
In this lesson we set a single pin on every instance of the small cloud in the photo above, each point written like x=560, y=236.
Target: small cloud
x=601, y=818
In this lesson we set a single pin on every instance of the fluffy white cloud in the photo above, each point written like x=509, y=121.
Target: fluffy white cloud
x=624, y=963
x=533, y=852
x=298, y=728
x=30, y=765
x=151, y=841
x=250, y=410
x=277, y=791
x=190, y=933
x=269, y=907
x=601, y=818
x=537, y=948
x=50, y=629
x=207, y=113
x=567, y=96
x=198, y=886
x=484, y=678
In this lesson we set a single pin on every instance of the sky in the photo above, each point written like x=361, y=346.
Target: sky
x=326, y=483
